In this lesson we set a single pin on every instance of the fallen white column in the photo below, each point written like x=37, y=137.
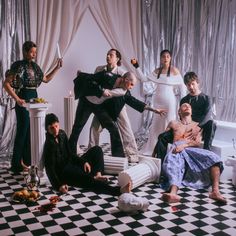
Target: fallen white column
x=148, y=170
x=114, y=165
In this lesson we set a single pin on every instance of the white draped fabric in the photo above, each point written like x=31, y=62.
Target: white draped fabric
x=52, y=22
x=120, y=23
x=55, y=21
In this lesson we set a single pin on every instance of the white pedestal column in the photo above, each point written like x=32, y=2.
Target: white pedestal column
x=69, y=116
x=37, y=112
x=231, y=162
x=114, y=165
x=69, y=113
x=148, y=170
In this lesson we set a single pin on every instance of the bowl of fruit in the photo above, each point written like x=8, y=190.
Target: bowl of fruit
x=38, y=100
x=25, y=195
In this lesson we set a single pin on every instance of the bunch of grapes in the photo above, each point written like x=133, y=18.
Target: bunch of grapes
x=39, y=100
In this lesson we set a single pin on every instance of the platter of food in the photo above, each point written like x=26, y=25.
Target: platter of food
x=25, y=195
x=38, y=100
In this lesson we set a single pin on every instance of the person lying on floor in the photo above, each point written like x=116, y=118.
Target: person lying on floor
x=187, y=165
x=64, y=168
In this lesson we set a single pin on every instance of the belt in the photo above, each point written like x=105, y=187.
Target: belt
x=30, y=87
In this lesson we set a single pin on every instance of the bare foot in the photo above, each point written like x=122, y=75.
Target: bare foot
x=101, y=178
x=126, y=188
x=25, y=167
x=170, y=198
x=217, y=197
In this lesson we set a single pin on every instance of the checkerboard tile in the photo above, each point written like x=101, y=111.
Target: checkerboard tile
x=85, y=213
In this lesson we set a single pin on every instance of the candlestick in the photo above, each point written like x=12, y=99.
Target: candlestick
x=69, y=113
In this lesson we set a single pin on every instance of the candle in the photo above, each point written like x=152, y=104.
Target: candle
x=58, y=51
x=69, y=113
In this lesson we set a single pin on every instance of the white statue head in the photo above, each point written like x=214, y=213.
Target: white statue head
x=129, y=203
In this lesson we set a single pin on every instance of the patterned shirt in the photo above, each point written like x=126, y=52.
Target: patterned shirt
x=27, y=74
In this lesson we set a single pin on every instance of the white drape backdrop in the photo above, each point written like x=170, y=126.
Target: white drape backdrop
x=55, y=21
x=52, y=22
x=120, y=22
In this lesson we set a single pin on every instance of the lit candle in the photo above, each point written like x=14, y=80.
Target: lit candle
x=69, y=112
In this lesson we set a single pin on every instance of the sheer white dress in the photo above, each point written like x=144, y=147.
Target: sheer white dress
x=168, y=91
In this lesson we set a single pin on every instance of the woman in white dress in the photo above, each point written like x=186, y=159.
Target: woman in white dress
x=170, y=88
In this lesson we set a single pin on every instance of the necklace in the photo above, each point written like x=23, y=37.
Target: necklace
x=186, y=122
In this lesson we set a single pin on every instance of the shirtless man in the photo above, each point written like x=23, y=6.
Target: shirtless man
x=201, y=112
x=187, y=166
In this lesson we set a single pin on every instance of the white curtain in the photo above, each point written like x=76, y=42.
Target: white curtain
x=52, y=22
x=55, y=21
x=120, y=23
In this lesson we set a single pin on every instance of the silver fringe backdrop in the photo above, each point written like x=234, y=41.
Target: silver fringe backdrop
x=14, y=30
x=201, y=36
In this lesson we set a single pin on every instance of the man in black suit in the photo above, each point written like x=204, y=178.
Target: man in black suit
x=97, y=88
x=97, y=85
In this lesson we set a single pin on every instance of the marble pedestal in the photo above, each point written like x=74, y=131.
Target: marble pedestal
x=37, y=112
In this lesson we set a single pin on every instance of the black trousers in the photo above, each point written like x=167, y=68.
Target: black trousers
x=21, y=149
x=208, y=134
x=166, y=137
x=160, y=148
x=74, y=174
x=83, y=111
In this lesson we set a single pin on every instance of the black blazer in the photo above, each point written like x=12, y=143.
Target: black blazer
x=93, y=84
x=115, y=105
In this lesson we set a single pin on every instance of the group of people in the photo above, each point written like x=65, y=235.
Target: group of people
x=105, y=94
x=109, y=81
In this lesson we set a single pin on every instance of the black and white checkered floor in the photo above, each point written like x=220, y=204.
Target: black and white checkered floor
x=85, y=213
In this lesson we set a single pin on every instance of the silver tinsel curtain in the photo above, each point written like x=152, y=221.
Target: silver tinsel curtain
x=14, y=30
x=201, y=36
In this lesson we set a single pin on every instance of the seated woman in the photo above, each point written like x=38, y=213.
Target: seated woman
x=65, y=169
x=187, y=165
